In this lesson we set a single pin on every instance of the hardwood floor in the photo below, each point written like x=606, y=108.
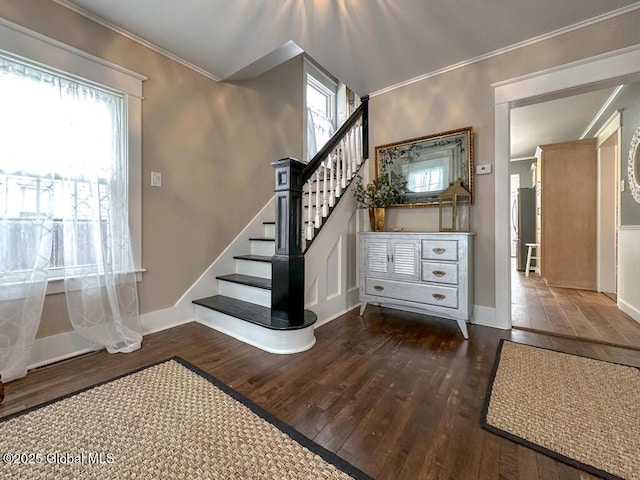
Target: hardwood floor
x=570, y=313
x=397, y=394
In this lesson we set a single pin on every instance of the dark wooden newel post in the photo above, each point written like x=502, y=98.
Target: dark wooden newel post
x=365, y=126
x=287, y=265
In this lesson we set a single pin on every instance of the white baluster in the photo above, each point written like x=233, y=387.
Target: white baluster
x=332, y=175
x=359, y=142
x=347, y=159
x=352, y=149
x=309, y=233
x=318, y=217
x=338, y=188
x=325, y=186
x=343, y=158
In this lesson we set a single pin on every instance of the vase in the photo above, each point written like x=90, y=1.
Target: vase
x=376, y=218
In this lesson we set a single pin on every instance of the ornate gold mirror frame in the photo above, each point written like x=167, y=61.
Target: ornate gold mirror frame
x=429, y=164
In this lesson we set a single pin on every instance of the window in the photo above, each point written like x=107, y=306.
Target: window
x=61, y=143
x=320, y=95
x=70, y=146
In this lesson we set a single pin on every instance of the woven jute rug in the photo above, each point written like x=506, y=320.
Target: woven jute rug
x=167, y=421
x=581, y=411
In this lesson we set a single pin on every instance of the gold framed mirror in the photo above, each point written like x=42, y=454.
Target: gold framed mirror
x=428, y=164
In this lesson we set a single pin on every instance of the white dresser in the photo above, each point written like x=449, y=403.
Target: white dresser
x=428, y=273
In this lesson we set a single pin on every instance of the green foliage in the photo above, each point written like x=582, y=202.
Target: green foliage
x=385, y=190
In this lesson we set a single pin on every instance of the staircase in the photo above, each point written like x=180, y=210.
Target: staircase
x=242, y=307
x=246, y=306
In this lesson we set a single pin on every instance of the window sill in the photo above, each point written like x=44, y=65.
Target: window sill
x=56, y=284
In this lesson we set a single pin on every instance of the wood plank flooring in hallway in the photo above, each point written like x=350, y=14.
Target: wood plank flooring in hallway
x=566, y=312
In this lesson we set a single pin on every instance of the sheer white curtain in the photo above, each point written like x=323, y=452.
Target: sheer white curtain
x=319, y=131
x=63, y=212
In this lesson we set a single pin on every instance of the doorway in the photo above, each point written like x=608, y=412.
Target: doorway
x=548, y=303
x=601, y=71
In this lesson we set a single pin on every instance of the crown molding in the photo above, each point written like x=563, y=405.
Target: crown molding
x=515, y=46
x=136, y=38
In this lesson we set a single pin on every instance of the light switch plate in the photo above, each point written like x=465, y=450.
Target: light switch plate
x=156, y=179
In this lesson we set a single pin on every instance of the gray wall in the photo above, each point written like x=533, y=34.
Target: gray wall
x=628, y=100
x=522, y=168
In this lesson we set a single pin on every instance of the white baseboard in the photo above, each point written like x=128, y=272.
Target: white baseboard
x=55, y=348
x=334, y=316
x=629, y=310
x=58, y=347
x=486, y=317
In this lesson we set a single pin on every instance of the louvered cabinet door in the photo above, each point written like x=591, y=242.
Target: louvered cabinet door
x=405, y=259
x=377, y=256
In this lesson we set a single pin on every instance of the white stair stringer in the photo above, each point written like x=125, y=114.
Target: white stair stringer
x=273, y=341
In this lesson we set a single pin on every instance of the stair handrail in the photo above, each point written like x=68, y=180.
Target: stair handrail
x=291, y=175
x=332, y=143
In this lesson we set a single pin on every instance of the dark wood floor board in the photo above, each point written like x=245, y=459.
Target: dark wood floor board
x=527, y=463
x=490, y=458
x=547, y=467
x=398, y=413
x=509, y=461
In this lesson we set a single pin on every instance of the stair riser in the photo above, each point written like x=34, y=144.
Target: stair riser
x=256, y=295
x=259, y=247
x=253, y=268
x=274, y=341
x=270, y=230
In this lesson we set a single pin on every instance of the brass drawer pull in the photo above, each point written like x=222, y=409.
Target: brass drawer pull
x=439, y=251
x=378, y=288
x=439, y=273
x=439, y=296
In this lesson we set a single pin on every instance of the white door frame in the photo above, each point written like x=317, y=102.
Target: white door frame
x=594, y=70
x=610, y=129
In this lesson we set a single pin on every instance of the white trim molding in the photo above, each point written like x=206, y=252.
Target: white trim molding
x=55, y=348
x=486, y=317
x=628, y=270
x=616, y=66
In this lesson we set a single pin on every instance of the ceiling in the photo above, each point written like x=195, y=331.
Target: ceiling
x=370, y=45
x=554, y=121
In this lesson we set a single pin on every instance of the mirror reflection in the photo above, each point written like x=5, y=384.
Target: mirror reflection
x=428, y=164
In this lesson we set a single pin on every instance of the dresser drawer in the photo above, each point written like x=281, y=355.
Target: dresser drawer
x=413, y=292
x=440, y=272
x=440, y=249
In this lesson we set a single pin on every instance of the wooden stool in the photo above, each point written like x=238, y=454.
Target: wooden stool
x=531, y=255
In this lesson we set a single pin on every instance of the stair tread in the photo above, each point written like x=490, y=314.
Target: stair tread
x=249, y=280
x=251, y=312
x=255, y=258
